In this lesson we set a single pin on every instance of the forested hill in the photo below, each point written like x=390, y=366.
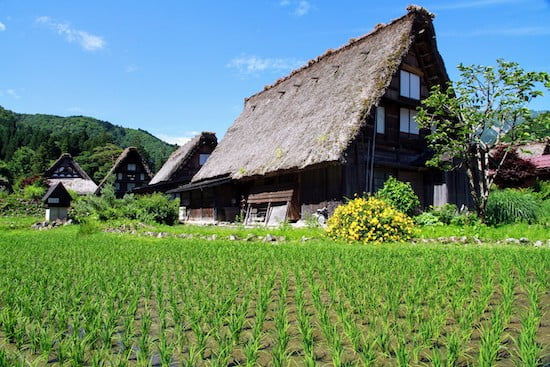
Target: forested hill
x=30, y=143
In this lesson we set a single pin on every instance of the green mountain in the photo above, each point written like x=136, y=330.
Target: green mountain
x=29, y=143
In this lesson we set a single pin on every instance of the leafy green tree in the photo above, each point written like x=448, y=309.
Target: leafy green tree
x=99, y=161
x=21, y=162
x=472, y=116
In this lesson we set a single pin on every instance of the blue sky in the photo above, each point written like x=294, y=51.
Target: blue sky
x=178, y=67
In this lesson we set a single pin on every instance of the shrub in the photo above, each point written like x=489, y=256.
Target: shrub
x=147, y=208
x=445, y=213
x=509, y=205
x=157, y=208
x=400, y=195
x=33, y=192
x=427, y=219
x=369, y=220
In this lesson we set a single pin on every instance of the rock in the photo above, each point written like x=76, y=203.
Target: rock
x=538, y=244
x=270, y=238
x=524, y=240
x=182, y=235
x=250, y=237
x=281, y=238
x=463, y=239
x=305, y=239
x=232, y=237
x=511, y=240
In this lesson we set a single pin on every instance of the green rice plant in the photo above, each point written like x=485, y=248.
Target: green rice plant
x=252, y=351
x=165, y=350
x=402, y=354
x=510, y=205
x=529, y=351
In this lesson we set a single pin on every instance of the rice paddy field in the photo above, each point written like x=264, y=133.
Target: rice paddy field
x=119, y=300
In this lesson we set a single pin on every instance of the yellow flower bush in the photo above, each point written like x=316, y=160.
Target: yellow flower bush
x=369, y=220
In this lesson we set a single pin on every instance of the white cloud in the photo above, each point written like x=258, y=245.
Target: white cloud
x=179, y=140
x=303, y=8
x=254, y=64
x=10, y=93
x=131, y=68
x=2, y=27
x=300, y=7
x=505, y=31
x=87, y=41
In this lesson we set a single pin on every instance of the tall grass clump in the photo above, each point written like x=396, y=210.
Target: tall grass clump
x=509, y=206
x=369, y=220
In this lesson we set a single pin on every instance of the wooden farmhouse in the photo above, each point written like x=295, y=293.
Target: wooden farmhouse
x=338, y=126
x=182, y=164
x=129, y=172
x=66, y=171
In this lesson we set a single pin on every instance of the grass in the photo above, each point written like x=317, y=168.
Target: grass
x=129, y=300
x=533, y=232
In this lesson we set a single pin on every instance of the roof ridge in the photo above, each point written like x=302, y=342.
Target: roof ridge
x=411, y=9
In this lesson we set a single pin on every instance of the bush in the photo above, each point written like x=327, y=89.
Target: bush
x=17, y=205
x=400, y=195
x=33, y=192
x=147, y=208
x=509, y=206
x=369, y=220
x=427, y=219
x=445, y=213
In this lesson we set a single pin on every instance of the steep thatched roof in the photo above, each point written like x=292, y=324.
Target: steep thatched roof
x=66, y=158
x=311, y=116
x=79, y=181
x=180, y=157
x=120, y=161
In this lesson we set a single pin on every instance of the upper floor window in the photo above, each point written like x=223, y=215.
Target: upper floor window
x=407, y=122
x=380, y=120
x=119, y=175
x=131, y=166
x=203, y=158
x=410, y=85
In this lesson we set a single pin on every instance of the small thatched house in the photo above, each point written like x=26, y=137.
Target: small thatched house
x=182, y=164
x=339, y=126
x=129, y=172
x=69, y=173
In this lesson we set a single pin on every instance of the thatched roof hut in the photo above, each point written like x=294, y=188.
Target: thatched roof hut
x=311, y=116
x=182, y=164
x=129, y=171
x=66, y=171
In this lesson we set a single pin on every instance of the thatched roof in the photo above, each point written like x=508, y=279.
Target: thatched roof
x=180, y=157
x=310, y=116
x=79, y=181
x=126, y=153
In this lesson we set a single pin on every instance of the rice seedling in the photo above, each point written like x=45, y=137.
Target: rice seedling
x=103, y=300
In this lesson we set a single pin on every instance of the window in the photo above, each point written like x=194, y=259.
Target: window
x=130, y=186
x=117, y=186
x=53, y=200
x=131, y=166
x=407, y=123
x=119, y=176
x=142, y=176
x=380, y=120
x=410, y=85
x=203, y=158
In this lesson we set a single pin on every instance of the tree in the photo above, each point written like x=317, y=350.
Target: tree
x=470, y=118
